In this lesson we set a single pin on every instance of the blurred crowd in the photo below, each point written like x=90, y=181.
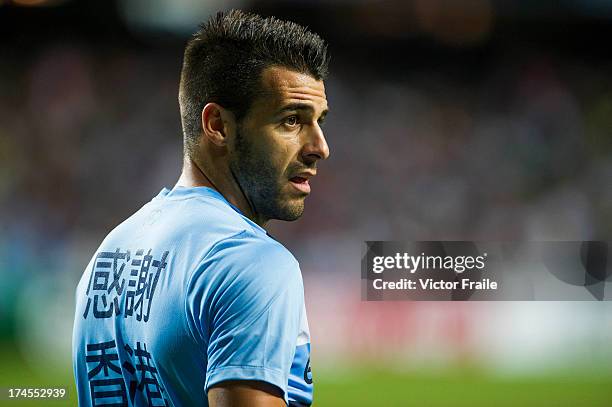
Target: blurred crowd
x=519, y=149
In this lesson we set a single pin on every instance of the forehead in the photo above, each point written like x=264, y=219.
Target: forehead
x=283, y=86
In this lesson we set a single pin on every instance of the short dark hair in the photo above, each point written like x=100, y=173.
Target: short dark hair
x=224, y=60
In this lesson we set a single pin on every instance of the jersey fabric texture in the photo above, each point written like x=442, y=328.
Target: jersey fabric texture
x=183, y=295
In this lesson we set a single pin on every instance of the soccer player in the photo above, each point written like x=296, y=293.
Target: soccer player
x=189, y=302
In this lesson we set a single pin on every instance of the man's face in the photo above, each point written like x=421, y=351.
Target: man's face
x=279, y=142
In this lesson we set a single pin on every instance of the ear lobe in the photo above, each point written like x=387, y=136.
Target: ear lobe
x=214, y=124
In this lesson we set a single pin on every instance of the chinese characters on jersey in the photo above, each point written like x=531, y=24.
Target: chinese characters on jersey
x=120, y=385
x=107, y=283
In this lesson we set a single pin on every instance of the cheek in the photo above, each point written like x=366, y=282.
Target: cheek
x=292, y=139
x=280, y=151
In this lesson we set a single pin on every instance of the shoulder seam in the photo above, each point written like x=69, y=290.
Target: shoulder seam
x=204, y=200
x=192, y=329
x=189, y=282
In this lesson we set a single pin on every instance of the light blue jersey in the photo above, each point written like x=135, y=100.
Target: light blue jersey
x=185, y=294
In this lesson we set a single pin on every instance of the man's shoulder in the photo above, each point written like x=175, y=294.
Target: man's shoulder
x=194, y=222
x=250, y=247
x=207, y=213
x=249, y=263
x=247, y=273
x=205, y=232
x=230, y=235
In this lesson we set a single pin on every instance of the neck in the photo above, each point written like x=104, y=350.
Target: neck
x=193, y=175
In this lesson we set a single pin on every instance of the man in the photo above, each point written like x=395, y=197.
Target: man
x=189, y=301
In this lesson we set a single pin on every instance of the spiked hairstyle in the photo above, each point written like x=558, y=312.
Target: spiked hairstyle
x=224, y=60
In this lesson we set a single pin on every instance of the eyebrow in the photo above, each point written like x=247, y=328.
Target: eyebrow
x=301, y=106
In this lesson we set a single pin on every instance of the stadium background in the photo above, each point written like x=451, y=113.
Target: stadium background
x=479, y=119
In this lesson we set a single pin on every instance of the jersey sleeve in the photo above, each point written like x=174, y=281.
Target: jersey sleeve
x=244, y=303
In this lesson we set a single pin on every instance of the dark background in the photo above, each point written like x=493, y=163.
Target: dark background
x=474, y=120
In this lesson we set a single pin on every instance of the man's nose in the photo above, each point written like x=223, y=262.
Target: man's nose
x=316, y=147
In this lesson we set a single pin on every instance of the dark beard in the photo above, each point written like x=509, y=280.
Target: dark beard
x=259, y=182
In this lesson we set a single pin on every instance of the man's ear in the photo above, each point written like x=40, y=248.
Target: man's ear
x=217, y=124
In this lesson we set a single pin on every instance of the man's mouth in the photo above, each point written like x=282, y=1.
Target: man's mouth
x=300, y=183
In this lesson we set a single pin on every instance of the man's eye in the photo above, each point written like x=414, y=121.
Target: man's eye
x=291, y=121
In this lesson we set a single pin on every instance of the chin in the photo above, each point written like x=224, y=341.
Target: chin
x=290, y=211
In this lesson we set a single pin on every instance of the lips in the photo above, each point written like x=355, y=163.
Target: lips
x=300, y=182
